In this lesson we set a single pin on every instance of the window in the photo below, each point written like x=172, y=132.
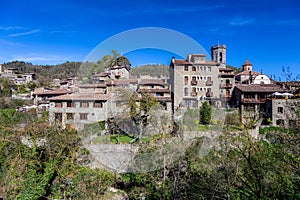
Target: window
x=70, y=104
x=58, y=117
x=70, y=116
x=58, y=104
x=280, y=122
x=83, y=116
x=209, y=69
x=194, y=92
x=186, y=68
x=280, y=110
x=194, y=68
x=186, y=91
x=98, y=104
x=84, y=104
x=186, y=80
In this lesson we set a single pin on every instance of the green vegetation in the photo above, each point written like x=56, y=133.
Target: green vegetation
x=43, y=162
x=151, y=70
x=205, y=113
x=139, y=110
x=47, y=165
x=93, y=128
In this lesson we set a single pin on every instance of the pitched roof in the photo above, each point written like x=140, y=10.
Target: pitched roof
x=53, y=92
x=81, y=97
x=259, y=88
x=185, y=62
x=248, y=73
x=103, y=85
x=181, y=62
x=152, y=82
x=247, y=62
x=123, y=82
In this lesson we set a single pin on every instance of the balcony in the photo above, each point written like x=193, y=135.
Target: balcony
x=209, y=94
x=226, y=86
x=209, y=83
x=194, y=94
x=245, y=100
x=193, y=82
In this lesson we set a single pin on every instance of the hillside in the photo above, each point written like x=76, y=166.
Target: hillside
x=157, y=70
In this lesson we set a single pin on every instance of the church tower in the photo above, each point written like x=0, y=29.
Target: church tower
x=218, y=54
x=247, y=66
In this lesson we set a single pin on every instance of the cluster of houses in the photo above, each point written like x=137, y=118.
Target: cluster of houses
x=192, y=81
x=15, y=77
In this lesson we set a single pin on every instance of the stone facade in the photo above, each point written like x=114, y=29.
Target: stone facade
x=75, y=110
x=251, y=100
x=283, y=112
x=197, y=79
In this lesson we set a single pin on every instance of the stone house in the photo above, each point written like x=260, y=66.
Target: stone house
x=283, y=111
x=197, y=79
x=251, y=99
x=75, y=110
x=158, y=89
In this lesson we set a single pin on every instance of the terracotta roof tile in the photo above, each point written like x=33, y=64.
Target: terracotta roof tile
x=247, y=62
x=54, y=92
x=81, y=97
x=182, y=62
x=268, y=88
x=101, y=85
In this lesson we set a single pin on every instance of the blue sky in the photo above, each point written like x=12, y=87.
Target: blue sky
x=48, y=32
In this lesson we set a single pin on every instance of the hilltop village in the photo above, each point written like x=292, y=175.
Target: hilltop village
x=73, y=103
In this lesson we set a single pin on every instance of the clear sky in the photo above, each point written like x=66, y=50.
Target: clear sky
x=48, y=32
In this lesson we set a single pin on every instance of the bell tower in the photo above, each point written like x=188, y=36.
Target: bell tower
x=218, y=54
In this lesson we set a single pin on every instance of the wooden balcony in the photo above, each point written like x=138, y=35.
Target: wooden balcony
x=244, y=100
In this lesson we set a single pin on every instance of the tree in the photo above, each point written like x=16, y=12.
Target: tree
x=5, y=88
x=139, y=110
x=205, y=113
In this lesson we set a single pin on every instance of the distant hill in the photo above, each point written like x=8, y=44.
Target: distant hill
x=61, y=71
x=157, y=70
